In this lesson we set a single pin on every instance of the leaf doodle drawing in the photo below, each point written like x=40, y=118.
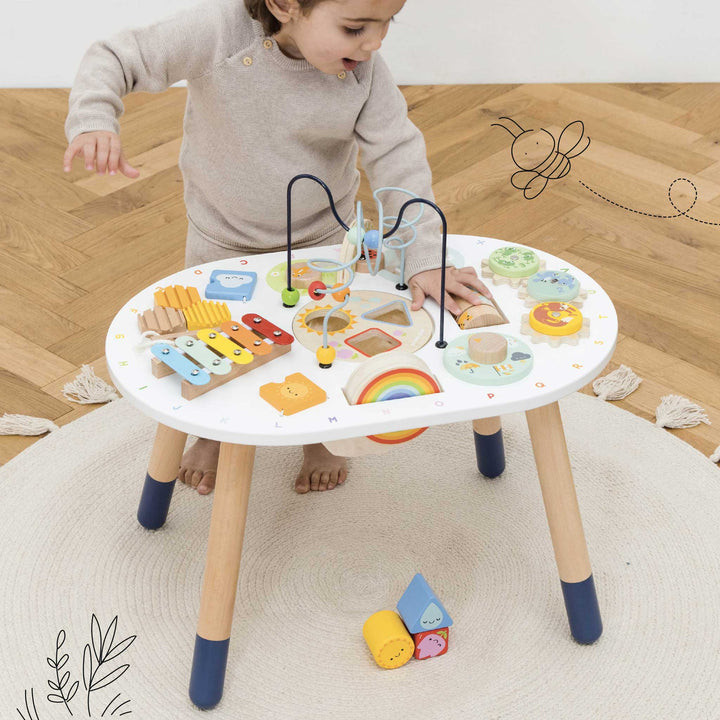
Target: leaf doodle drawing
x=102, y=651
x=30, y=715
x=96, y=673
x=59, y=686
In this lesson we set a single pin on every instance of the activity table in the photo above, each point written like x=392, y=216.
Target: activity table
x=238, y=417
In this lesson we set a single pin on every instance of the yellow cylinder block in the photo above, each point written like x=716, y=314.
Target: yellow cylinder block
x=388, y=639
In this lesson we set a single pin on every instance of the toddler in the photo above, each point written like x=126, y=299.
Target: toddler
x=275, y=88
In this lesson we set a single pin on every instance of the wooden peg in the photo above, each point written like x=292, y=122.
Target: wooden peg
x=487, y=348
x=477, y=316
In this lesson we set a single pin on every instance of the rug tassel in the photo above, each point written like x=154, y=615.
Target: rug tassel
x=150, y=338
x=715, y=457
x=25, y=425
x=88, y=388
x=675, y=411
x=616, y=385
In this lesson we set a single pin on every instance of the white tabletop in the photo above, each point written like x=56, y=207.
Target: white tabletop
x=236, y=413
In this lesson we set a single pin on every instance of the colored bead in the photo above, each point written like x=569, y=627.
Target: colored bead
x=340, y=295
x=325, y=356
x=314, y=290
x=351, y=235
x=372, y=239
x=290, y=296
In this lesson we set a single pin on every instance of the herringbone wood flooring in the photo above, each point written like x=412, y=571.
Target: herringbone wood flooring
x=74, y=247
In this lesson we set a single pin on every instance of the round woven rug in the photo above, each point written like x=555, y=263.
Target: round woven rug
x=316, y=566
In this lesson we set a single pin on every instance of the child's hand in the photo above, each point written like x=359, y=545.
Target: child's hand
x=463, y=283
x=102, y=150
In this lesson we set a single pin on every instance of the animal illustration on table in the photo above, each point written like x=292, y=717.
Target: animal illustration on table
x=540, y=157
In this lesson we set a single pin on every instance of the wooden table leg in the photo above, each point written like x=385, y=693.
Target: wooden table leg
x=160, y=478
x=489, y=446
x=222, y=567
x=563, y=514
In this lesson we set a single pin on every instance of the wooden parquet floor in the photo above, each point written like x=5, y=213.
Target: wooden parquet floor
x=74, y=247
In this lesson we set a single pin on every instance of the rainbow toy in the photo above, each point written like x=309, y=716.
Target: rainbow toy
x=391, y=377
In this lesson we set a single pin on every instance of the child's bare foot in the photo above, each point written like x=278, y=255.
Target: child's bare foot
x=321, y=470
x=198, y=466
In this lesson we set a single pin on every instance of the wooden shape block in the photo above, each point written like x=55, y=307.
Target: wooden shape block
x=302, y=275
x=487, y=348
x=231, y=285
x=477, y=316
x=388, y=639
x=370, y=263
x=294, y=394
x=177, y=296
x=206, y=314
x=391, y=377
x=432, y=643
x=162, y=320
x=420, y=608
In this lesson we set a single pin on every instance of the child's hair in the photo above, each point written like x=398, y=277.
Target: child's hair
x=258, y=10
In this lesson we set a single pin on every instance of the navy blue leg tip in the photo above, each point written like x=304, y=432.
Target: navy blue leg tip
x=583, y=610
x=207, y=678
x=154, y=503
x=490, y=453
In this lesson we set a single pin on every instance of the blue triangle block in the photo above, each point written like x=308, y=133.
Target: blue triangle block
x=420, y=608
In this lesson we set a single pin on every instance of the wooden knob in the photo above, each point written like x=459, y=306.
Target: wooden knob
x=487, y=348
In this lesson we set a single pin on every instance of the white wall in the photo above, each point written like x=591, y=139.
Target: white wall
x=467, y=41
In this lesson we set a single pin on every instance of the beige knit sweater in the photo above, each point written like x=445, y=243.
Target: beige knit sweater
x=254, y=119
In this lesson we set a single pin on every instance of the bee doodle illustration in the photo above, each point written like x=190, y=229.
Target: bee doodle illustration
x=540, y=157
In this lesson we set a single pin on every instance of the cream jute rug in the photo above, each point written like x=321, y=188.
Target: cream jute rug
x=315, y=567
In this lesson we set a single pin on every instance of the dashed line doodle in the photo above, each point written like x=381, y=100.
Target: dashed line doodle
x=540, y=157
x=688, y=184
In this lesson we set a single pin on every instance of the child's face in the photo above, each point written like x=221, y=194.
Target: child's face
x=338, y=34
